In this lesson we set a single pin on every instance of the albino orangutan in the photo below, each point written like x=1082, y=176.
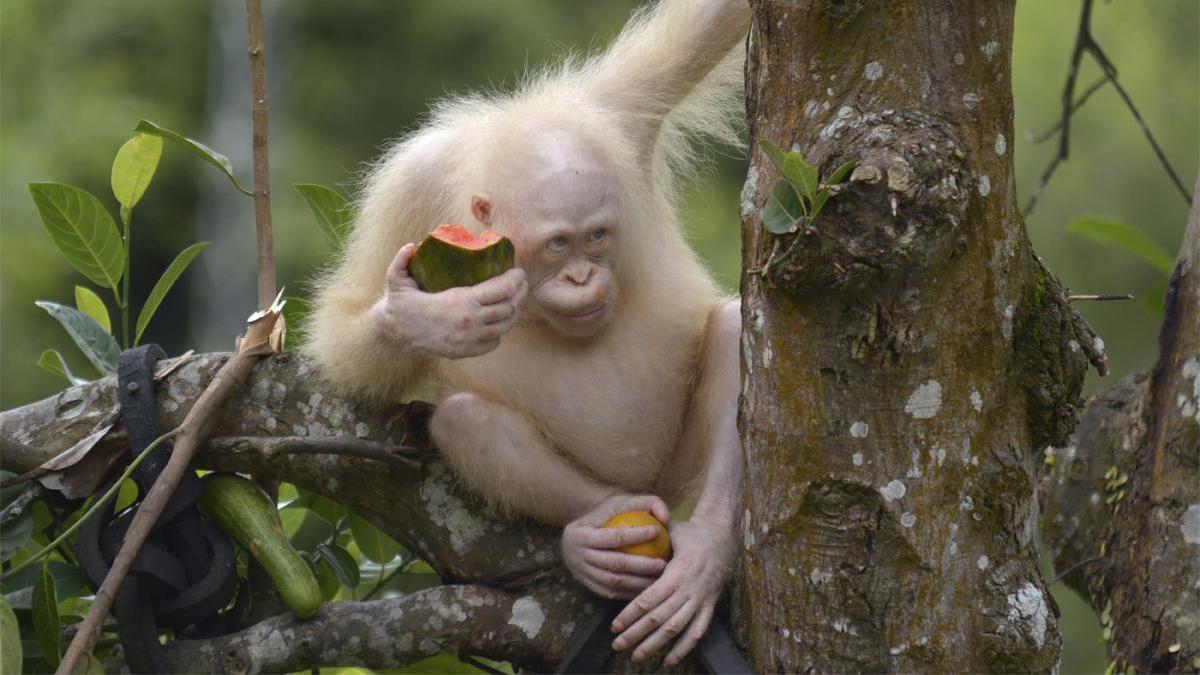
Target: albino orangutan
x=601, y=374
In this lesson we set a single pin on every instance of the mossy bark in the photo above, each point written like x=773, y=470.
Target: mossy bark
x=905, y=365
x=1123, y=499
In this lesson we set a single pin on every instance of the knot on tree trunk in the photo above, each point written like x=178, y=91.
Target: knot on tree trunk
x=899, y=212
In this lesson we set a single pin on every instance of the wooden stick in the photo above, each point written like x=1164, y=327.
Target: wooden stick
x=259, y=110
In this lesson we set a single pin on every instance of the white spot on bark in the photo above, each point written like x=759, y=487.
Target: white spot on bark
x=859, y=430
x=747, y=530
x=1094, y=499
x=811, y=108
x=976, y=400
x=361, y=430
x=925, y=401
x=759, y=320
x=1027, y=607
x=908, y=520
x=528, y=616
x=985, y=186
x=857, y=458
x=873, y=71
x=989, y=50
x=983, y=562
x=1006, y=323
x=1190, y=525
x=1001, y=145
x=767, y=355
x=820, y=576
x=959, y=59
x=967, y=503
x=970, y=100
x=749, y=188
x=1098, y=344
x=893, y=490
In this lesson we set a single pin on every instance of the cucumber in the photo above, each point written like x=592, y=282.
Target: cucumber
x=244, y=512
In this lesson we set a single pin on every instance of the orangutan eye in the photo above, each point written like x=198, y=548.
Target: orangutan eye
x=558, y=244
x=597, y=235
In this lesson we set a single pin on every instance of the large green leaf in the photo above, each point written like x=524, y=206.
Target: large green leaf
x=341, y=563
x=305, y=529
x=15, y=534
x=1122, y=236
x=206, y=153
x=98, y=346
x=10, y=640
x=373, y=543
x=782, y=210
x=333, y=213
x=45, y=617
x=89, y=303
x=83, y=230
x=134, y=167
x=165, y=282
x=53, y=362
x=68, y=580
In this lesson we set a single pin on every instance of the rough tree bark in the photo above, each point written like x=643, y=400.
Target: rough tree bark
x=905, y=366
x=1123, y=499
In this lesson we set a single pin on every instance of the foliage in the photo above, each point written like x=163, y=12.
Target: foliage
x=1125, y=237
x=85, y=233
x=798, y=197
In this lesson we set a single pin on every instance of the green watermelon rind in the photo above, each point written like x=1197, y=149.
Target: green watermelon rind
x=439, y=265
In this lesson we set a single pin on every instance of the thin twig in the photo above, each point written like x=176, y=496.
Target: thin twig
x=1099, y=298
x=1085, y=43
x=96, y=506
x=1059, y=577
x=1050, y=133
x=17, y=507
x=350, y=446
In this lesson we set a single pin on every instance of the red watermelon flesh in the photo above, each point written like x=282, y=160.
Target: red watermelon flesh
x=452, y=256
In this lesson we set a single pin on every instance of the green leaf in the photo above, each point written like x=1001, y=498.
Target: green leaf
x=341, y=562
x=68, y=581
x=45, y=617
x=793, y=168
x=1156, y=298
x=127, y=495
x=98, y=346
x=89, y=303
x=165, y=282
x=10, y=640
x=206, y=153
x=134, y=167
x=333, y=213
x=83, y=230
x=327, y=581
x=373, y=543
x=1123, y=236
x=15, y=534
x=782, y=209
x=53, y=362
x=839, y=174
x=305, y=529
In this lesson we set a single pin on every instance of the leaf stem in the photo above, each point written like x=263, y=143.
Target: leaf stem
x=96, y=506
x=126, y=219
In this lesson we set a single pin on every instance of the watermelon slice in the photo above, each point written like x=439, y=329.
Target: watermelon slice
x=451, y=256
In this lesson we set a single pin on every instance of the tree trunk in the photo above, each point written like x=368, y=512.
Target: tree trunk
x=906, y=365
x=1123, y=499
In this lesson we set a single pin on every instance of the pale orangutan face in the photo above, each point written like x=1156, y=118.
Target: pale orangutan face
x=563, y=220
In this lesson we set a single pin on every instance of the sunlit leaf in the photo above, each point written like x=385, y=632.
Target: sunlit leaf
x=134, y=167
x=89, y=303
x=1122, y=236
x=10, y=640
x=341, y=563
x=793, y=168
x=126, y=495
x=373, y=543
x=83, y=230
x=165, y=282
x=45, y=617
x=333, y=213
x=782, y=209
x=53, y=362
x=98, y=346
x=206, y=153
x=305, y=529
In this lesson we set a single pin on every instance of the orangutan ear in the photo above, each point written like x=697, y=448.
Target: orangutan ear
x=481, y=208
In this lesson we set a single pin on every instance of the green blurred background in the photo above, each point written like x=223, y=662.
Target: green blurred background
x=346, y=76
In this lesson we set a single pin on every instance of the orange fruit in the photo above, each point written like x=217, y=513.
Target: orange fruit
x=658, y=547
